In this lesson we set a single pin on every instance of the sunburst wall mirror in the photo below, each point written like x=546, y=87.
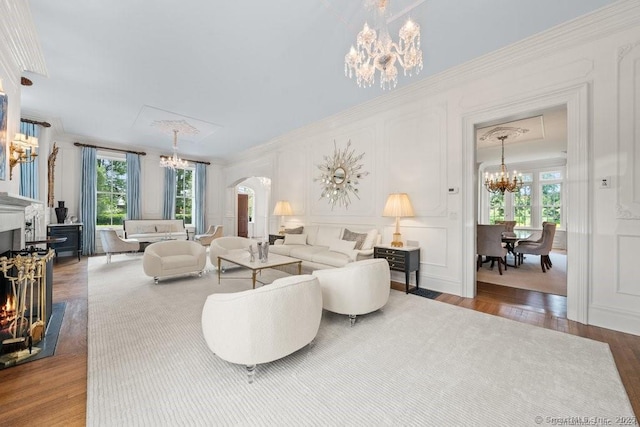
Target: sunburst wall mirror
x=340, y=175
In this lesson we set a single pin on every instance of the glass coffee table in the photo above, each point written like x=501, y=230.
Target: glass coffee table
x=243, y=260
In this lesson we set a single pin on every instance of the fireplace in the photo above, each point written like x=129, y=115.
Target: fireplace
x=25, y=285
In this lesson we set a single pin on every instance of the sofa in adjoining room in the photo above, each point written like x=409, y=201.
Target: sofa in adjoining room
x=327, y=246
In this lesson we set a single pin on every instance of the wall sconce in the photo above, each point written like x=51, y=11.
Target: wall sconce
x=283, y=208
x=398, y=205
x=22, y=150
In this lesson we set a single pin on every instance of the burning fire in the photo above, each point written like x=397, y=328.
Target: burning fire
x=10, y=305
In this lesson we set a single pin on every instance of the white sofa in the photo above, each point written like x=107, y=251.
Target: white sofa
x=228, y=245
x=323, y=246
x=173, y=257
x=154, y=230
x=360, y=287
x=265, y=324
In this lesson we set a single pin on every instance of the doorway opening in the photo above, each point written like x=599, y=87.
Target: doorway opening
x=251, y=214
x=535, y=145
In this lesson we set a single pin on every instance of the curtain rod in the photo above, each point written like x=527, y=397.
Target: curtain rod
x=187, y=160
x=35, y=122
x=78, y=144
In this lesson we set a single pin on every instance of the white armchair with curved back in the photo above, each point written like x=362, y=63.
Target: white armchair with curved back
x=114, y=244
x=265, y=324
x=173, y=257
x=360, y=287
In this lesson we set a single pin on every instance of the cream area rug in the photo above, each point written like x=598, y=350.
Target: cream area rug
x=529, y=274
x=415, y=362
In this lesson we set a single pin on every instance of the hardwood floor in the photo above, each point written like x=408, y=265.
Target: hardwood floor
x=53, y=391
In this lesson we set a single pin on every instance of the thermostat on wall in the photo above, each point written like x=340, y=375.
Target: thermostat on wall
x=452, y=190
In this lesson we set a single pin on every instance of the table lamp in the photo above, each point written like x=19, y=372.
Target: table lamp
x=398, y=205
x=283, y=208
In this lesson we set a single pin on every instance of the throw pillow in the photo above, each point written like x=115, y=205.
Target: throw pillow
x=165, y=228
x=342, y=246
x=143, y=229
x=351, y=236
x=370, y=240
x=297, y=230
x=295, y=239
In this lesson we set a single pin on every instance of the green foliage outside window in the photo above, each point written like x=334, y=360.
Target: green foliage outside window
x=496, y=206
x=551, y=206
x=522, y=206
x=184, y=195
x=111, y=207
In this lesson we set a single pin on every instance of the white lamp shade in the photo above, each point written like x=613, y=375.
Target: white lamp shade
x=283, y=208
x=398, y=205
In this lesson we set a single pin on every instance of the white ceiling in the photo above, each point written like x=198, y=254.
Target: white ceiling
x=247, y=71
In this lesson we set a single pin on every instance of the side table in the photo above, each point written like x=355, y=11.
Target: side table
x=274, y=237
x=405, y=259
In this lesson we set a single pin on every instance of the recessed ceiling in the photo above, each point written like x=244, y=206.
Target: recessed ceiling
x=255, y=69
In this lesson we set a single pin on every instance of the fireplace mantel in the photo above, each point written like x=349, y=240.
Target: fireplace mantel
x=10, y=201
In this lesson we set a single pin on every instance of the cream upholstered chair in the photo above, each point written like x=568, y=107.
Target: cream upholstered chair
x=214, y=232
x=489, y=244
x=228, y=245
x=360, y=287
x=508, y=228
x=114, y=244
x=174, y=257
x=542, y=248
x=265, y=324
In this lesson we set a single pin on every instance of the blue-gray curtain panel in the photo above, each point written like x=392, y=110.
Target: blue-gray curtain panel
x=133, y=186
x=29, y=171
x=88, y=190
x=169, y=203
x=201, y=191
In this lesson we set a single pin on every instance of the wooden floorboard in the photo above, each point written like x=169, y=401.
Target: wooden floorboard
x=53, y=391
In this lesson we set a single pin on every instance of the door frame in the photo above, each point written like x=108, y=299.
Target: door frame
x=578, y=181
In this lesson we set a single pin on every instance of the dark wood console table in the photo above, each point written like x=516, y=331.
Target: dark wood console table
x=72, y=245
x=401, y=259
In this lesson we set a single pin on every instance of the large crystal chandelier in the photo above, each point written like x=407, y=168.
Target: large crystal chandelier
x=173, y=162
x=503, y=181
x=378, y=51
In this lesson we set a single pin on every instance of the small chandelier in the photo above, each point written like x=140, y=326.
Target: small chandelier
x=22, y=150
x=173, y=162
x=378, y=51
x=503, y=182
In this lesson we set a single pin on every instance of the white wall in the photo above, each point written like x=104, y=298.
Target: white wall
x=413, y=140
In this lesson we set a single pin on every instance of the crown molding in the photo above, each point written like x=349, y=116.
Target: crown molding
x=19, y=34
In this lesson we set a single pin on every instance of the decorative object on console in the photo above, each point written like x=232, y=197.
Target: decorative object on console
x=340, y=175
x=502, y=182
x=175, y=126
x=22, y=150
x=3, y=134
x=61, y=212
x=283, y=208
x=398, y=205
x=378, y=51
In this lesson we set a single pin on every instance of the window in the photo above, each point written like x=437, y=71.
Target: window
x=496, y=203
x=111, y=207
x=522, y=202
x=551, y=191
x=185, y=195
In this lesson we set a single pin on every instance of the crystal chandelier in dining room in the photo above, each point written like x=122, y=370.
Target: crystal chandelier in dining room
x=503, y=181
x=377, y=51
x=173, y=162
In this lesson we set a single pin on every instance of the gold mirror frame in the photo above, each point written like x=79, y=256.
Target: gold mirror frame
x=340, y=175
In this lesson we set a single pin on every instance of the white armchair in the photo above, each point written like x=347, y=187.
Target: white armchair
x=228, y=245
x=265, y=324
x=173, y=257
x=114, y=244
x=214, y=232
x=360, y=287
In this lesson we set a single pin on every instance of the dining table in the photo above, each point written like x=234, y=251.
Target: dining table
x=511, y=240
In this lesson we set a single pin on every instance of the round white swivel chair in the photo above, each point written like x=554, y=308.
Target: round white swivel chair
x=360, y=287
x=174, y=257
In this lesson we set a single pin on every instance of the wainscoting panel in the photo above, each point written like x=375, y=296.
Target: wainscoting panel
x=629, y=133
x=628, y=267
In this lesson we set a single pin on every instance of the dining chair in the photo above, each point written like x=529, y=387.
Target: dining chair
x=542, y=248
x=508, y=228
x=489, y=244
